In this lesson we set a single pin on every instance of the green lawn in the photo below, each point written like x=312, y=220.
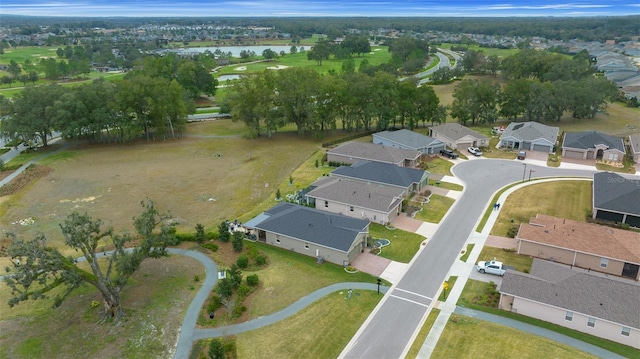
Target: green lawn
x=404, y=245
x=467, y=253
x=510, y=258
x=487, y=51
x=321, y=330
x=471, y=338
x=444, y=294
x=566, y=199
x=422, y=335
x=437, y=165
x=435, y=210
x=33, y=53
x=446, y=185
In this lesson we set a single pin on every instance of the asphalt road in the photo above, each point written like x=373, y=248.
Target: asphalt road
x=388, y=331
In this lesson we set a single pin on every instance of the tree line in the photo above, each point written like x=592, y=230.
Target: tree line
x=153, y=101
x=269, y=100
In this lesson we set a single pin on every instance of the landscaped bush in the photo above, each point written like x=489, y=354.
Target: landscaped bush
x=243, y=291
x=214, y=303
x=243, y=261
x=260, y=259
x=185, y=237
x=513, y=230
x=210, y=246
x=252, y=280
x=238, y=310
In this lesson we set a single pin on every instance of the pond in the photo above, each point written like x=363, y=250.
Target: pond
x=223, y=78
x=235, y=50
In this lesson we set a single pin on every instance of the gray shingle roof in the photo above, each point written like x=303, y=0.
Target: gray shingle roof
x=409, y=138
x=634, y=143
x=380, y=173
x=613, y=192
x=374, y=152
x=371, y=196
x=530, y=131
x=456, y=131
x=312, y=225
x=589, y=139
x=550, y=283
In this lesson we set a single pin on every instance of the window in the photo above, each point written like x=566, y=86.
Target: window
x=568, y=316
x=351, y=208
x=277, y=238
x=306, y=246
x=625, y=331
x=613, y=156
x=326, y=204
x=604, y=262
x=591, y=323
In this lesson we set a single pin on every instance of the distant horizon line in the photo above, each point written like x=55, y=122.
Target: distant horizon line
x=321, y=16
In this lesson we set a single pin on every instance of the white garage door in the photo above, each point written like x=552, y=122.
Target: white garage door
x=573, y=154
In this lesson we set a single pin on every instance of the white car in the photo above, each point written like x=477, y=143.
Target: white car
x=474, y=151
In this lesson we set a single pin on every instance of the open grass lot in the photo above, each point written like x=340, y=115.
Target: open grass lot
x=566, y=199
x=472, y=338
x=156, y=302
x=404, y=245
x=322, y=330
x=33, y=53
x=435, y=210
x=199, y=180
x=510, y=258
x=437, y=165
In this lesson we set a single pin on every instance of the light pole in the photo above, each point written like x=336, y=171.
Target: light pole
x=530, y=173
x=524, y=173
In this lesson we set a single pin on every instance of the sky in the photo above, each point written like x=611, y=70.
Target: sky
x=345, y=8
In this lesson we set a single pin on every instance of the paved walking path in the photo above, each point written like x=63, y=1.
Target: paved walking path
x=13, y=153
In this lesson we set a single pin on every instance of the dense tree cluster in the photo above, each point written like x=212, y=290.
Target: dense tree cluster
x=269, y=100
x=540, y=86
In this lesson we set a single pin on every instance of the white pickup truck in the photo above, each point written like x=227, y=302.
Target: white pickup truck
x=492, y=267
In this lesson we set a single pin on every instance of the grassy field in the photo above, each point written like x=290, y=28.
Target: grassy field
x=404, y=245
x=472, y=338
x=435, y=210
x=438, y=165
x=446, y=185
x=32, y=53
x=378, y=55
x=566, y=199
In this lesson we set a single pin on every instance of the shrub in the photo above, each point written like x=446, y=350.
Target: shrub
x=185, y=237
x=214, y=303
x=200, y=235
x=216, y=349
x=261, y=259
x=252, y=280
x=223, y=231
x=210, y=246
x=237, y=242
x=238, y=310
x=243, y=261
x=243, y=291
x=513, y=230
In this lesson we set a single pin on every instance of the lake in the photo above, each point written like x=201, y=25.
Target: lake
x=235, y=50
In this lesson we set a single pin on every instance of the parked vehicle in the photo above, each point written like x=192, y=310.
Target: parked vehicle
x=474, y=151
x=449, y=154
x=522, y=155
x=492, y=267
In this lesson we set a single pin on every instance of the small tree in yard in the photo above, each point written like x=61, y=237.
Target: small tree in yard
x=37, y=269
x=223, y=231
x=224, y=289
x=238, y=241
x=235, y=275
x=200, y=235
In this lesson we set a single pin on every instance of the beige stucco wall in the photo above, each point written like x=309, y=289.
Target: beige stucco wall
x=582, y=260
x=358, y=212
x=313, y=250
x=602, y=329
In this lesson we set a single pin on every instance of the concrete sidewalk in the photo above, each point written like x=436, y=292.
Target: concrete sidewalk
x=463, y=270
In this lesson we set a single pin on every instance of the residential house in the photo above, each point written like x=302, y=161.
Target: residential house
x=324, y=235
x=352, y=152
x=531, y=136
x=616, y=198
x=459, y=137
x=580, y=244
x=409, y=140
x=593, y=145
x=409, y=180
x=634, y=146
x=587, y=302
x=380, y=204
